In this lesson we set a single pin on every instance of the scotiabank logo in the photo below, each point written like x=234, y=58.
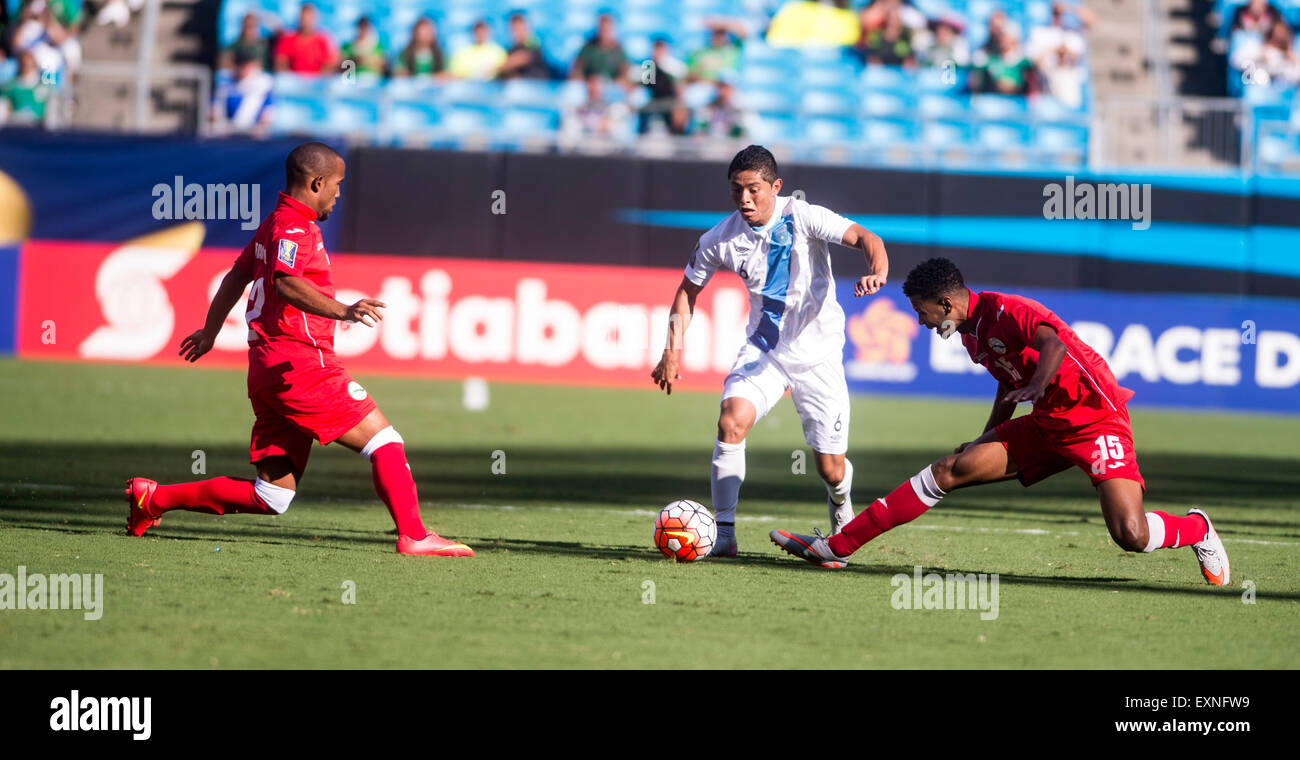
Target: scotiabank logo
x=882, y=338
x=505, y=320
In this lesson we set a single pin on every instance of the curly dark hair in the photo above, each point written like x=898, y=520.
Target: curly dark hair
x=754, y=158
x=932, y=279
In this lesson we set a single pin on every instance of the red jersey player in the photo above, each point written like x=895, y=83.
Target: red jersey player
x=1079, y=418
x=298, y=388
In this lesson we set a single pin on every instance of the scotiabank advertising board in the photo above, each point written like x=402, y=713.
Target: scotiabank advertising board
x=556, y=323
x=603, y=325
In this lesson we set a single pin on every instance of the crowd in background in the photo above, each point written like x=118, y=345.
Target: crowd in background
x=1048, y=59
x=1263, y=46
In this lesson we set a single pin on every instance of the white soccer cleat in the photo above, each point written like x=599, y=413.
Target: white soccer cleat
x=1211, y=554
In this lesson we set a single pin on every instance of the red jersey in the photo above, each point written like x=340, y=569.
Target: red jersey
x=306, y=53
x=283, y=340
x=1084, y=389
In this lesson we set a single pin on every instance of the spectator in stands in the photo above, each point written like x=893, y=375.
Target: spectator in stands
x=1270, y=61
x=723, y=117
x=524, y=59
x=875, y=16
x=596, y=117
x=1255, y=16
x=722, y=54
x=49, y=33
x=243, y=106
x=998, y=26
x=308, y=51
x=23, y=98
x=1006, y=71
x=888, y=43
x=602, y=55
x=249, y=44
x=1059, y=32
x=422, y=56
x=480, y=60
x=366, y=50
x=1057, y=51
x=947, y=46
x=117, y=12
x=664, y=81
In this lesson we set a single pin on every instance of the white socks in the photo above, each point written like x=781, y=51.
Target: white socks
x=725, y=477
x=840, y=493
x=1155, y=532
x=926, y=488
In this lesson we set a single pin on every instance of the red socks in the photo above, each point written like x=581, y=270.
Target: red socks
x=902, y=505
x=218, y=496
x=396, y=486
x=1178, y=531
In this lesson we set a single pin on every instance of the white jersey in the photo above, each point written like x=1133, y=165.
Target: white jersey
x=794, y=316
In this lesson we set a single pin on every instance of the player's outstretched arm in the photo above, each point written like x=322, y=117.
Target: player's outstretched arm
x=873, y=248
x=232, y=286
x=302, y=295
x=1051, y=352
x=666, y=372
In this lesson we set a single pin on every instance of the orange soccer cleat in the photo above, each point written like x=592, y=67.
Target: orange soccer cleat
x=139, y=498
x=432, y=545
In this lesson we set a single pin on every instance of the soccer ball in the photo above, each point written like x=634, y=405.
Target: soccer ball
x=685, y=531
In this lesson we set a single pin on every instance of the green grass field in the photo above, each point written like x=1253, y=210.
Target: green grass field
x=563, y=539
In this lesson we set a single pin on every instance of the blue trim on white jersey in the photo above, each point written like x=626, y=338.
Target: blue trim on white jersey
x=768, y=332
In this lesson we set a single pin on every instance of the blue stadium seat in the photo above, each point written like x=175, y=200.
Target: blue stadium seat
x=530, y=92
x=352, y=115
x=886, y=132
x=829, y=129
x=1000, y=137
x=997, y=107
x=297, y=114
x=936, y=106
x=765, y=99
x=828, y=102
x=771, y=126
x=884, y=78
x=885, y=103
x=529, y=122
x=412, y=118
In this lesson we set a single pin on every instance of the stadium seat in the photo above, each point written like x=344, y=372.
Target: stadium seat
x=997, y=107
x=412, y=119
x=829, y=129
x=297, y=115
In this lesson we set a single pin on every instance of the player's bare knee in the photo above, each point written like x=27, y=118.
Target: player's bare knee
x=731, y=429
x=1130, y=533
x=946, y=471
x=831, y=470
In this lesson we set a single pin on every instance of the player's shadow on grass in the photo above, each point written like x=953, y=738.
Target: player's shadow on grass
x=864, y=567
x=88, y=476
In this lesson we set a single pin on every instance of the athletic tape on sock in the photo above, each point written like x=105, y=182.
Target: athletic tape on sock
x=276, y=497
x=927, y=488
x=382, y=438
x=1155, y=532
x=840, y=491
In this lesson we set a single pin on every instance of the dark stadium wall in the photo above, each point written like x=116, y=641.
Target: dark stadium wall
x=1206, y=234
x=101, y=187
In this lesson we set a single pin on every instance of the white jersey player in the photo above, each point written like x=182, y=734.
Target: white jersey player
x=779, y=246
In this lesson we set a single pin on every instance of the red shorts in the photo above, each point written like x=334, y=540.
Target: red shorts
x=1103, y=449
x=322, y=404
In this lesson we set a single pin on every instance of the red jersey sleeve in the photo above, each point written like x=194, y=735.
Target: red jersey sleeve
x=290, y=250
x=245, y=260
x=1025, y=315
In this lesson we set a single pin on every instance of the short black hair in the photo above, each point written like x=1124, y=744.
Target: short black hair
x=311, y=159
x=933, y=279
x=754, y=158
